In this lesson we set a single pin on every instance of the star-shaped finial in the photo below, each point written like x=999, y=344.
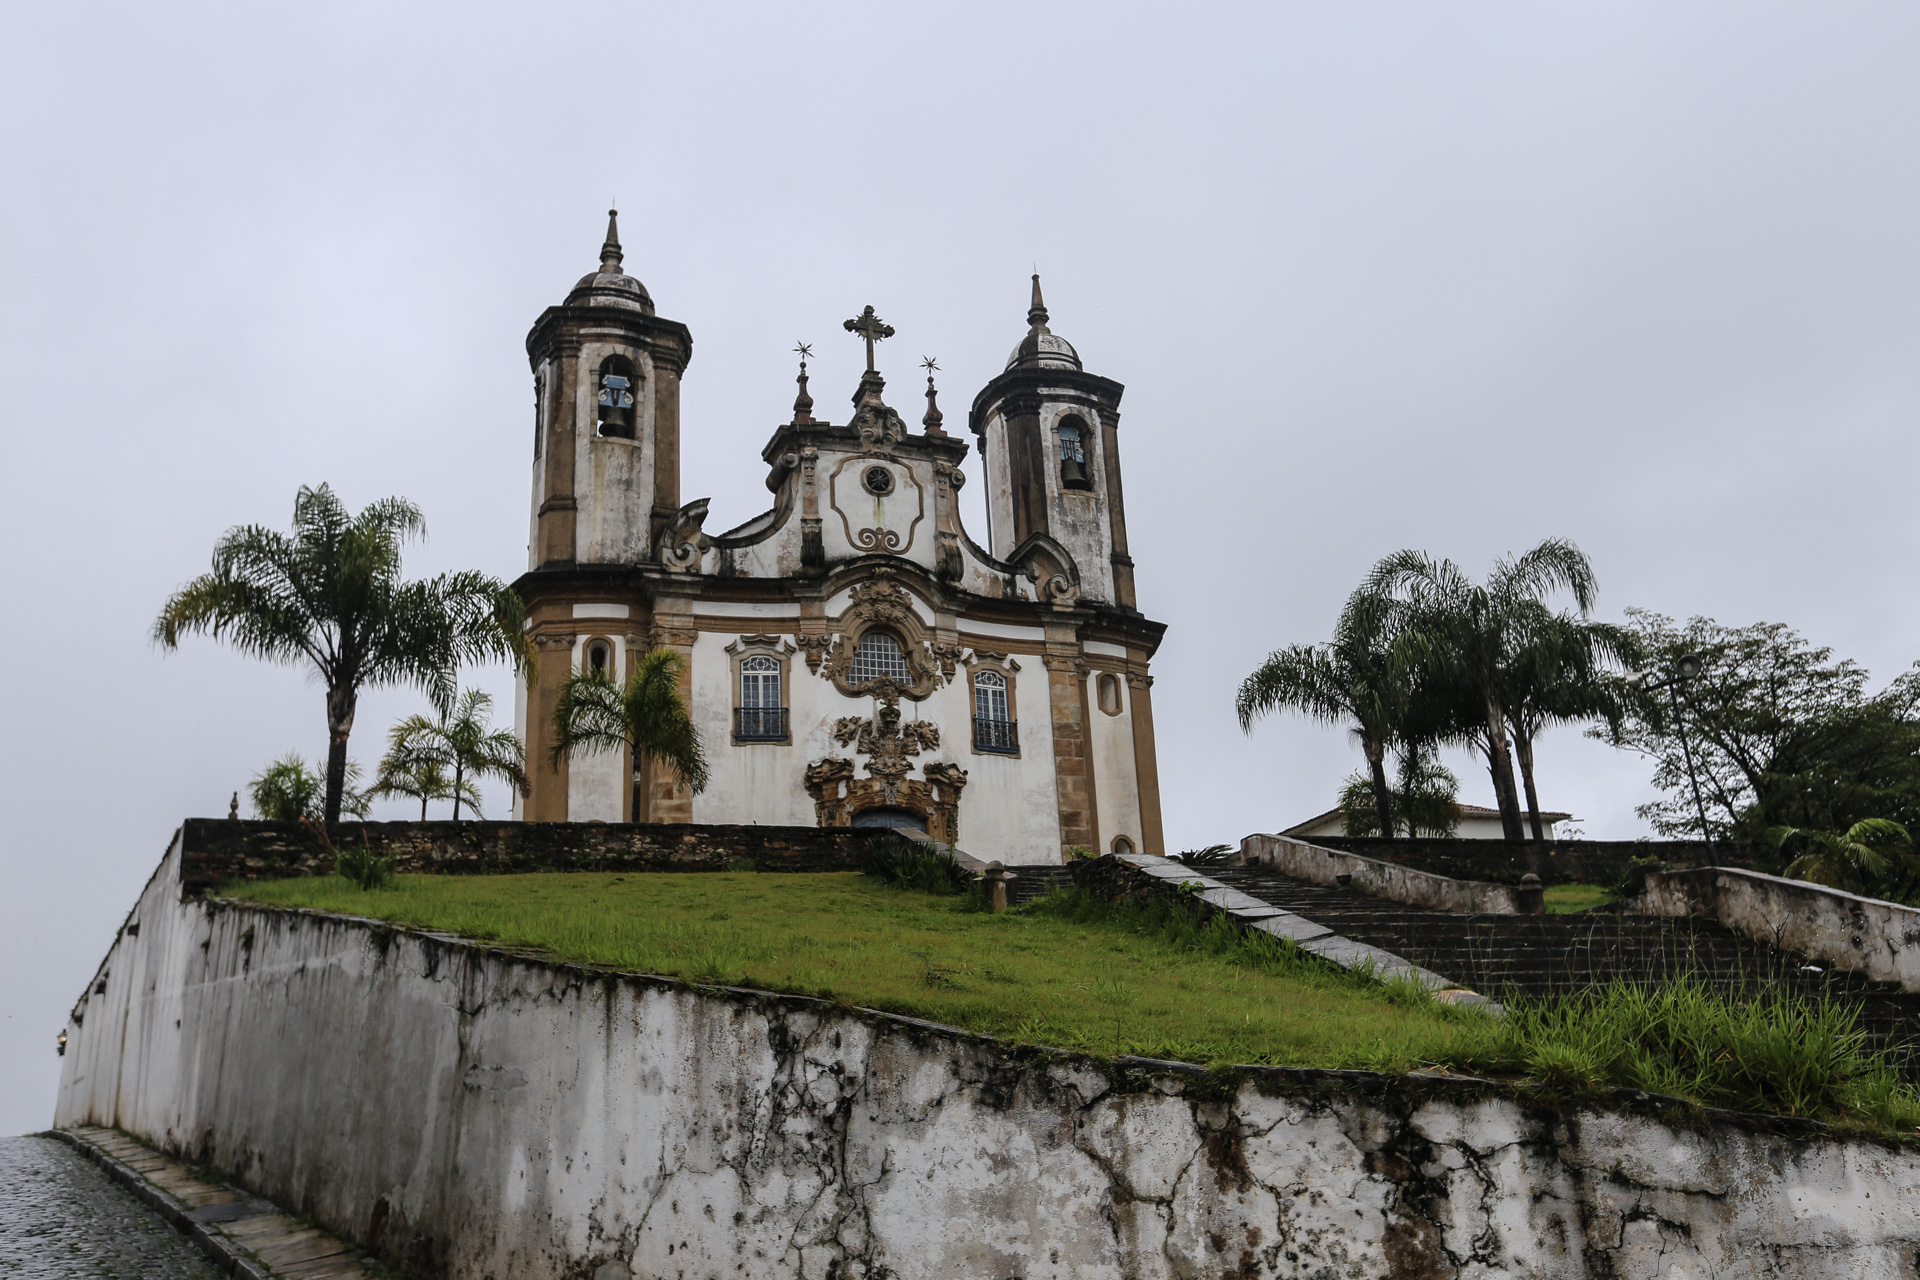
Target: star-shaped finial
x=929, y=364
x=805, y=349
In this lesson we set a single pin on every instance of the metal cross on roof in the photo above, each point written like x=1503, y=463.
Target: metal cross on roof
x=872, y=328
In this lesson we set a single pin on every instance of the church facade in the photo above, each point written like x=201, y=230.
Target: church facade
x=853, y=656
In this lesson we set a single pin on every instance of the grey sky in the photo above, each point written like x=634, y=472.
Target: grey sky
x=1453, y=277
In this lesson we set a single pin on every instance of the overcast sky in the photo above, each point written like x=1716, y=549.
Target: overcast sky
x=1455, y=277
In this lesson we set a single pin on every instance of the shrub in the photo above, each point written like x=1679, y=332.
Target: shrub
x=363, y=867
x=914, y=864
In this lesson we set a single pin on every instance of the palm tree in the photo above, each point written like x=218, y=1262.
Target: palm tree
x=463, y=742
x=1560, y=674
x=1351, y=680
x=648, y=716
x=1464, y=634
x=330, y=596
x=287, y=791
x=1852, y=859
x=421, y=780
x=1425, y=796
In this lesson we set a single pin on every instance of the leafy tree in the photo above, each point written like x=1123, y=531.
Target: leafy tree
x=287, y=791
x=462, y=743
x=647, y=715
x=330, y=596
x=1465, y=635
x=1352, y=680
x=421, y=780
x=1782, y=733
x=1426, y=797
x=1873, y=855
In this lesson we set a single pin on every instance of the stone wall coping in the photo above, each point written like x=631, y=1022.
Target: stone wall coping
x=1165, y=875
x=1319, y=865
x=1870, y=936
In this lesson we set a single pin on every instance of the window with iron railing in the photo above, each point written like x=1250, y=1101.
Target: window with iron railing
x=760, y=724
x=994, y=728
x=760, y=717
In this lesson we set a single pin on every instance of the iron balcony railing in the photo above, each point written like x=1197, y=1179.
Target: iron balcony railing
x=996, y=735
x=760, y=724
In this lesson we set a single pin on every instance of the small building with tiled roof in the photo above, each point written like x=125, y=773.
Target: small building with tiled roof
x=1471, y=822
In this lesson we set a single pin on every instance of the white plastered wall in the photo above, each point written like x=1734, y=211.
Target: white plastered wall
x=1116, y=778
x=613, y=478
x=1080, y=515
x=596, y=783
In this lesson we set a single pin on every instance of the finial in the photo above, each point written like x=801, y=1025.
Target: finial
x=803, y=403
x=933, y=418
x=1037, y=313
x=610, y=255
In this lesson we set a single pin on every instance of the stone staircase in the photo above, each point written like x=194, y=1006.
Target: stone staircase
x=1506, y=955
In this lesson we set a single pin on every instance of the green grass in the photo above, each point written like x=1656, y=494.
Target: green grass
x=1068, y=973
x=1150, y=979
x=1564, y=898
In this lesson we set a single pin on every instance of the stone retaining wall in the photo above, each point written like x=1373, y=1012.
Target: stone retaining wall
x=1318, y=865
x=1878, y=939
x=1505, y=861
x=220, y=850
x=488, y=1115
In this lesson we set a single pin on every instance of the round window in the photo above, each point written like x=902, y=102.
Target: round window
x=878, y=480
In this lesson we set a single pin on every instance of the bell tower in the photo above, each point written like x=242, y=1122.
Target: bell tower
x=1049, y=437
x=606, y=451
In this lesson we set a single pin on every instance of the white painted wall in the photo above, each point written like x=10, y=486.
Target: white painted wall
x=598, y=781
x=532, y=1125
x=1116, y=780
x=613, y=478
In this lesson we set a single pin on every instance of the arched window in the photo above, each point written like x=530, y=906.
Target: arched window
x=600, y=658
x=614, y=408
x=1110, y=693
x=1122, y=845
x=878, y=654
x=1072, y=434
x=761, y=716
x=993, y=723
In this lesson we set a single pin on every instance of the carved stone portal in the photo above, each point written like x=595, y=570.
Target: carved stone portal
x=889, y=746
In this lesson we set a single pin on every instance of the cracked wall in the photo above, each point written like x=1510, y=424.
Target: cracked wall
x=489, y=1115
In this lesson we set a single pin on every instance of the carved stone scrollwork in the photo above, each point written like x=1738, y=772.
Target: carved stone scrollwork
x=949, y=656
x=948, y=566
x=663, y=636
x=889, y=745
x=779, y=644
x=951, y=476
x=878, y=424
x=1136, y=680
x=682, y=542
x=879, y=601
x=552, y=640
x=816, y=647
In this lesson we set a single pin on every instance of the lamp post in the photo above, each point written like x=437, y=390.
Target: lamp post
x=1684, y=668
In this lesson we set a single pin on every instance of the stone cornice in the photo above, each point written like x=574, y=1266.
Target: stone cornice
x=669, y=343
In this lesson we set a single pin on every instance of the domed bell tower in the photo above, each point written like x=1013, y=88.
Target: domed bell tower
x=606, y=449
x=1049, y=438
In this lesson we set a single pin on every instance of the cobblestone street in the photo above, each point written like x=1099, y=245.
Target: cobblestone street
x=61, y=1216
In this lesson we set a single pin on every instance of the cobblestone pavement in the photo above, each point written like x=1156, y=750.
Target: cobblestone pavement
x=61, y=1216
